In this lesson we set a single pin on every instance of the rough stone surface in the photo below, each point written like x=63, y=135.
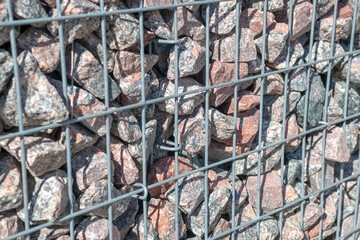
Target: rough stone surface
x=28, y=9
x=162, y=215
x=222, y=16
x=343, y=67
x=42, y=154
x=137, y=232
x=136, y=150
x=93, y=44
x=156, y=23
x=217, y=202
x=97, y=193
x=246, y=100
x=122, y=68
x=222, y=126
x=5, y=31
x=302, y=18
x=253, y=19
x=270, y=156
x=127, y=219
x=353, y=97
x=44, y=48
x=131, y=87
x=10, y=224
x=75, y=29
x=191, y=192
x=292, y=129
x=6, y=69
x=165, y=125
x=222, y=226
x=125, y=125
x=335, y=112
x=187, y=103
x=221, y=73
x=95, y=228
x=273, y=85
x=316, y=102
x=192, y=131
x=83, y=103
x=296, y=52
x=88, y=72
x=352, y=136
x=273, y=5
x=321, y=50
x=323, y=6
x=41, y=102
x=292, y=229
x=297, y=79
x=315, y=179
x=191, y=59
x=125, y=169
x=10, y=185
x=88, y=166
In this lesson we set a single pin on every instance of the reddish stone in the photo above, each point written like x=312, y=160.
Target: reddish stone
x=246, y=100
x=163, y=169
x=221, y=73
x=273, y=84
x=296, y=52
x=302, y=18
x=274, y=105
x=95, y=228
x=292, y=229
x=220, y=151
x=253, y=18
x=222, y=226
x=292, y=129
x=27, y=9
x=10, y=224
x=162, y=215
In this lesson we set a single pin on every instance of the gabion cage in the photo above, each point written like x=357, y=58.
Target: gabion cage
x=257, y=108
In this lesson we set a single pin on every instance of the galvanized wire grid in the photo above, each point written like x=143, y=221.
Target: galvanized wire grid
x=142, y=191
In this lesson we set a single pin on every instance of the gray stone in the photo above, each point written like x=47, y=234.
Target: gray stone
x=296, y=53
x=321, y=50
x=28, y=9
x=155, y=22
x=94, y=44
x=5, y=31
x=273, y=84
x=224, y=49
x=315, y=179
x=54, y=232
x=270, y=157
x=10, y=185
x=97, y=193
x=217, y=202
x=41, y=102
x=136, y=149
x=137, y=232
x=127, y=219
x=323, y=6
x=42, y=154
x=187, y=103
x=95, y=228
x=191, y=59
x=10, y=224
x=273, y=5
x=334, y=111
x=125, y=125
x=353, y=97
x=343, y=68
x=78, y=28
x=88, y=72
x=297, y=79
x=165, y=125
x=6, y=69
x=273, y=107
x=190, y=192
x=222, y=16
x=88, y=166
x=292, y=171
x=131, y=85
x=316, y=102
x=352, y=135
x=222, y=126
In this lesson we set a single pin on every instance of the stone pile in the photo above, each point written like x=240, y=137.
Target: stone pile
x=43, y=103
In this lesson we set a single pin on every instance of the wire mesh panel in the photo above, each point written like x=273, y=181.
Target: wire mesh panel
x=213, y=119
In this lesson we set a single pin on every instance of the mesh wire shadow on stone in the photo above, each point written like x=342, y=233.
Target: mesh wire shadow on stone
x=187, y=119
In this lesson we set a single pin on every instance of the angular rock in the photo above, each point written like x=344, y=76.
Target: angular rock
x=270, y=156
x=353, y=97
x=273, y=84
x=191, y=59
x=6, y=69
x=246, y=100
x=315, y=179
x=343, y=68
x=95, y=228
x=125, y=169
x=28, y=9
x=323, y=6
x=292, y=129
x=131, y=88
x=192, y=131
x=291, y=171
x=334, y=111
x=80, y=137
x=123, y=69
x=274, y=104
x=165, y=125
x=10, y=185
x=219, y=151
x=221, y=73
x=187, y=103
x=41, y=102
x=48, y=199
x=297, y=79
x=75, y=29
x=163, y=169
x=5, y=31
x=316, y=102
x=222, y=226
x=155, y=22
x=224, y=49
x=292, y=229
x=44, y=48
x=347, y=226
x=125, y=125
x=94, y=44
x=127, y=219
x=42, y=154
x=321, y=50
x=83, y=103
x=273, y=5
x=352, y=136
x=137, y=232
x=222, y=16
x=253, y=18
x=88, y=72
x=54, y=232
x=88, y=166
x=10, y=224
x=301, y=18
x=296, y=52
x=191, y=192
x=136, y=150
x=97, y=193
x=218, y=199
x=162, y=215
x=222, y=126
